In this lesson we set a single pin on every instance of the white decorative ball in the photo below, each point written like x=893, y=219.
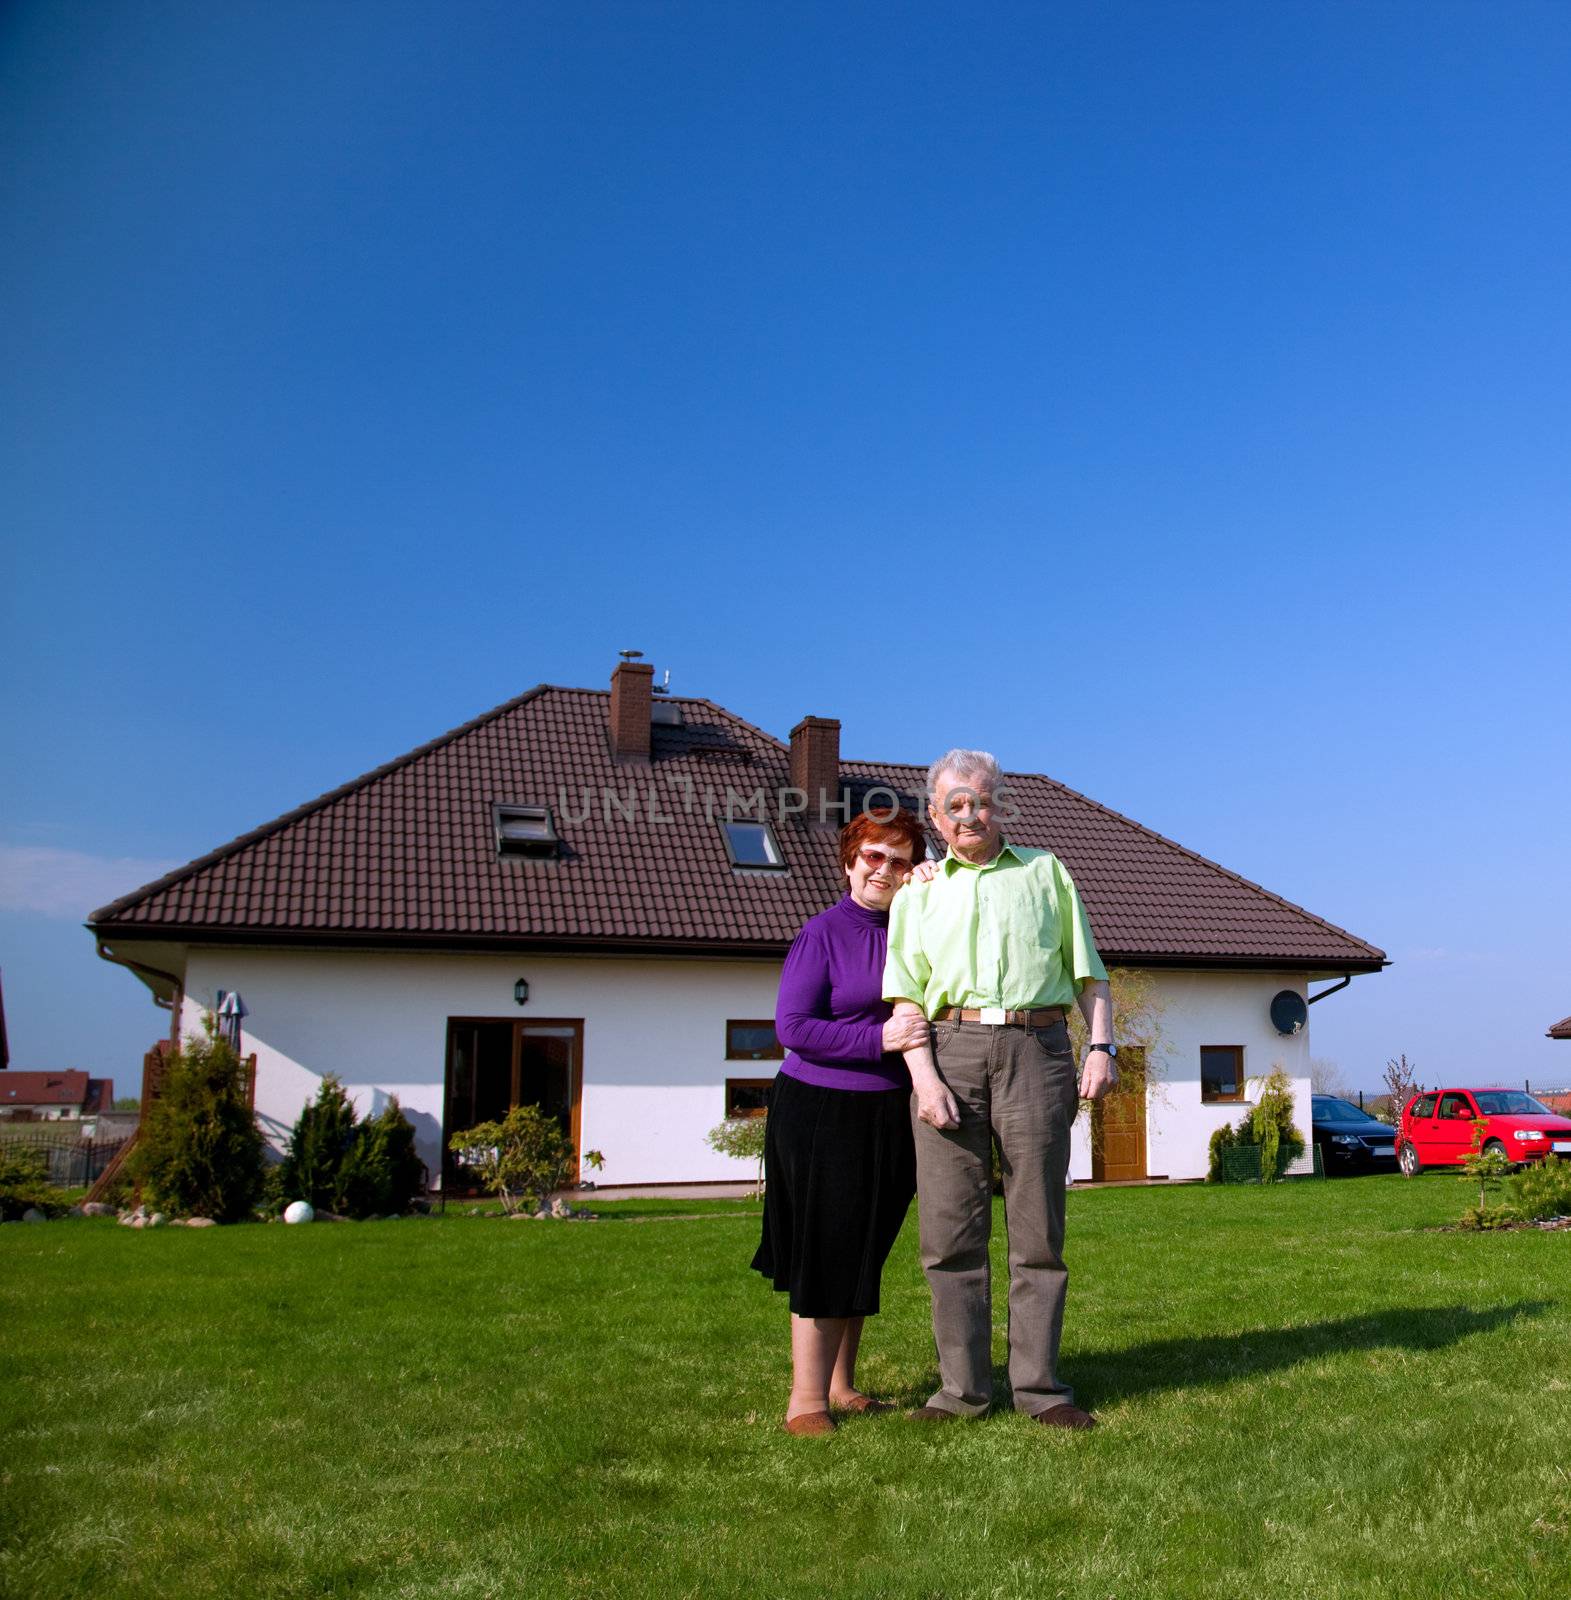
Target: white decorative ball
x=299, y=1211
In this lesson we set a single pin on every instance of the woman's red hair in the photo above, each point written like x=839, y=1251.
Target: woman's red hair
x=898, y=827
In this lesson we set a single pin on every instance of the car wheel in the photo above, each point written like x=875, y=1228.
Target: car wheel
x=1493, y=1146
x=1407, y=1160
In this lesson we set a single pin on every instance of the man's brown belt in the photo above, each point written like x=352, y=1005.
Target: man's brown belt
x=1042, y=1017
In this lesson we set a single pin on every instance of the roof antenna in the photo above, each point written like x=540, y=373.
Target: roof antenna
x=665, y=686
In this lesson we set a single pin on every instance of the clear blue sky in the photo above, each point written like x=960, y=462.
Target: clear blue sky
x=1171, y=398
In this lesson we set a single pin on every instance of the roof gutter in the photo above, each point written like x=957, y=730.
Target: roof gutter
x=1347, y=978
x=143, y=971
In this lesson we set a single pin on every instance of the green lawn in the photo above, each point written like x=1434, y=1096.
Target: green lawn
x=1303, y=1391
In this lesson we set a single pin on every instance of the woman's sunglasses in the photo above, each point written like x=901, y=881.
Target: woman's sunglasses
x=881, y=858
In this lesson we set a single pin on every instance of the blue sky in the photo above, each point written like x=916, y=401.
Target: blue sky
x=1170, y=398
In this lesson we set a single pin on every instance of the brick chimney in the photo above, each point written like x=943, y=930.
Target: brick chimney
x=815, y=764
x=631, y=688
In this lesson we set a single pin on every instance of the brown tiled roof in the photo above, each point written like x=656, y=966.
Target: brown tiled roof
x=43, y=1088
x=1561, y=1029
x=406, y=854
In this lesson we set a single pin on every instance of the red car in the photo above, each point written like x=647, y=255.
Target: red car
x=1437, y=1128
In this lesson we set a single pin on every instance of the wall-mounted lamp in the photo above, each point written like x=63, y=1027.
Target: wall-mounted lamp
x=521, y=991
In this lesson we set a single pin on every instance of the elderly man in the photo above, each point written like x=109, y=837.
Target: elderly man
x=992, y=949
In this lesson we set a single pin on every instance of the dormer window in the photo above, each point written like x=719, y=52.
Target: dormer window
x=524, y=830
x=753, y=845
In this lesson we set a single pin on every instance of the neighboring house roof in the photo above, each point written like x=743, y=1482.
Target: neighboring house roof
x=406, y=855
x=1561, y=1029
x=44, y=1088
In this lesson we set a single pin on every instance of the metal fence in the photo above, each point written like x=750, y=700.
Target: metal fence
x=68, y=1163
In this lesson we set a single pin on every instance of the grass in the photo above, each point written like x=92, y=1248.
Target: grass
x=1303, y=1390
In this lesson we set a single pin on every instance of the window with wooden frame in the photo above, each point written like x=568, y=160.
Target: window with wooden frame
x=1221, y=1072
x=747, y=1097
x=752, y=1041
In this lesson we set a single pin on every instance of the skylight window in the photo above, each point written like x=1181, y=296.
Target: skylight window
x=753, y=844
x=524, y=830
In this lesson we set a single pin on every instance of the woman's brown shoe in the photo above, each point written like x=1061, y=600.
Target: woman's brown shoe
x=810, y=1424
x=863, y=1405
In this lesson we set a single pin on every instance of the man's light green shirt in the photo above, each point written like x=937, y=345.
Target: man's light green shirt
x=1012, y=933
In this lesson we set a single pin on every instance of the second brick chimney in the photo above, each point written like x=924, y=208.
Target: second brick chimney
x=815, y=764
x=631, y=688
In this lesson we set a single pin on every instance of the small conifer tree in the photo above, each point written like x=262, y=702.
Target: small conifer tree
x=199, y=1152
x=318, y=1143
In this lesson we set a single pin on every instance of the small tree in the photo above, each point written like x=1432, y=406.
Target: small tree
x=1138, y=1009
x=522, y=1158
x=1325, y=1077
x=742, y=1138
x=1401, y=1080
x=1483, y=1167
x=200, y=1151
x=1269, y=1124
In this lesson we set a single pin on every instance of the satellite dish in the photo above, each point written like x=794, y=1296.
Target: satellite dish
x=1289, y=1012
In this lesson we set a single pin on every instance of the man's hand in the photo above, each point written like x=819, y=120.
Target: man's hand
x=1098, y=1076
x=905, y=1030
x=935, y=1105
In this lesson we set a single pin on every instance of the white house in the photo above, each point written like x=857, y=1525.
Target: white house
x=582, y=898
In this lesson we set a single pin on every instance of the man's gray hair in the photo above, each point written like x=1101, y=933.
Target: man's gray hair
x=964, y=764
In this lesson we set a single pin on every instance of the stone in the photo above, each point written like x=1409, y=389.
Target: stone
x=560, y=1208
x=157, y=1220
x=33, y=1214
x=200, y=1222
x=97, y=1208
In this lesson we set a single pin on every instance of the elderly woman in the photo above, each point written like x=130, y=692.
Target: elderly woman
x=838, y=1157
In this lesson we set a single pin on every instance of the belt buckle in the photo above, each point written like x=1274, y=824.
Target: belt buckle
x=993, y=1016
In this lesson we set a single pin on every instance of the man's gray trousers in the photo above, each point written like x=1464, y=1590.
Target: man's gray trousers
x=1019, y=1084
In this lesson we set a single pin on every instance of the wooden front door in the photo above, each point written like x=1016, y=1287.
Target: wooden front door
x=1118, y=1129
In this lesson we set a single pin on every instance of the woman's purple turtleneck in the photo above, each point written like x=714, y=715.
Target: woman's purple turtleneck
x=831, y=1012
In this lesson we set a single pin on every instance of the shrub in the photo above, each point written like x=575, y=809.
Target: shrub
x=1223, y=1139
x=743, y=1138
x=520, y=1159
x=343, y=1165
x=1542, y=1190
x=381, y=1173
x=24, y=1183
x=1485, y=1218
x=200, y=1151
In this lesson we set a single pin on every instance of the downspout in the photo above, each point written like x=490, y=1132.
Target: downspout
x=173, y=1005
x=1347, y=979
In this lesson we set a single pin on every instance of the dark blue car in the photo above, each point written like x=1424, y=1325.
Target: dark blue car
x=1350, y=1140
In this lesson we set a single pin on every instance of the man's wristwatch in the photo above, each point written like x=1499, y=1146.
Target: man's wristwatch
x=1106, y=1049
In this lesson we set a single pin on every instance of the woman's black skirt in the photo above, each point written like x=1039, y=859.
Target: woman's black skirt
x=839, y=1174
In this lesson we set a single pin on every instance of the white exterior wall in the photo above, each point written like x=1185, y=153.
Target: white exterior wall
x=1209, y=1008
x=654, y=1065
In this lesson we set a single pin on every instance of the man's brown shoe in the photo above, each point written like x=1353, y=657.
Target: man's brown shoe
x=1064, y=1417
x=810, y=1424
x=933, y=1414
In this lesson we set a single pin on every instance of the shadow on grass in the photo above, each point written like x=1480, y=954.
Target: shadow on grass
x=1105, y=1378
x=1144, y=1369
